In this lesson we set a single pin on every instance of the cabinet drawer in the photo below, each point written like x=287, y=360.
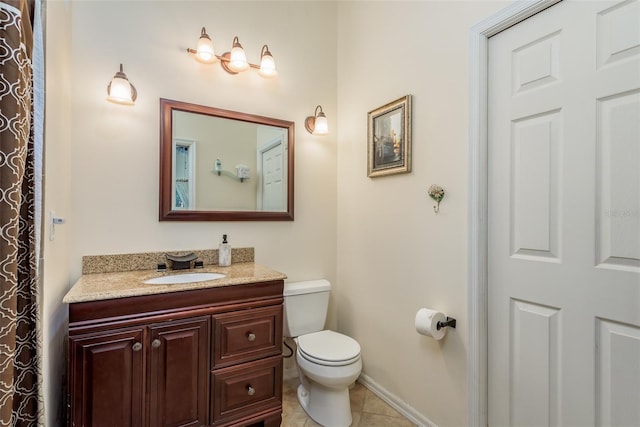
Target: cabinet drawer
x=246, y=389
x=247, y=335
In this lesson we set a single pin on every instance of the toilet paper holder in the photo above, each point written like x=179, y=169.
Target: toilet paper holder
x=450, y=322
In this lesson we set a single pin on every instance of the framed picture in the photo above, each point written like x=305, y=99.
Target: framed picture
x=389, y=138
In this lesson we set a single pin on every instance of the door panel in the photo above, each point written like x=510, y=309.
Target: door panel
x=179, y=360
x=273, y=185
x=535, y=215
x=107, y=378
x=618, y=375
x=564, y=217
x=618, y=180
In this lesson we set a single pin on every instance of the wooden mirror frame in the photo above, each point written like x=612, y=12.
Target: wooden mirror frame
x=167, y=107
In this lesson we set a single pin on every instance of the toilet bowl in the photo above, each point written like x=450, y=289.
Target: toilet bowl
x=328, y=362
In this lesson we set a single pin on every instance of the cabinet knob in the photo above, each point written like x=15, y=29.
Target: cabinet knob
x=137, y=346
x=156, y=343
x=251, y=337
x=250, y=390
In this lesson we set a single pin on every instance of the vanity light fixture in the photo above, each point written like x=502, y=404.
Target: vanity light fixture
x=317, y=124
x=237, y=58
x=120, y=90
x=204, y=51
x=267, y=63
x=233, y=62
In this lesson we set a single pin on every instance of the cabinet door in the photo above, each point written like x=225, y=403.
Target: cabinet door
x=178, y=373
x=107, y=377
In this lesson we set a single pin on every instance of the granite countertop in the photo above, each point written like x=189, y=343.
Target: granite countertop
x=101, y=286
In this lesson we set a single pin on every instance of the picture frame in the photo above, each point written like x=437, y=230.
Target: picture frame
x=389, y=138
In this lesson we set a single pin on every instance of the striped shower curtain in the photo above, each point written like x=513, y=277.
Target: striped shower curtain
x=20, y=212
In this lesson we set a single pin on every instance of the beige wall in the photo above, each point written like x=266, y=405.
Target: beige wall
x=377, y=240
x=114, y=165
x=394, y=254
x=57, y=198
x=104, y=156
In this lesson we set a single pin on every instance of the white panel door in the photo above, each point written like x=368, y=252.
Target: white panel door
x=273, y=188
x=564, y=218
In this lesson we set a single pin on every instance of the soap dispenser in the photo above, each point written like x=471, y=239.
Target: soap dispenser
x=224, y=253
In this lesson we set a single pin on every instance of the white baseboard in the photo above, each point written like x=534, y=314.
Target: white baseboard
x=392, y=400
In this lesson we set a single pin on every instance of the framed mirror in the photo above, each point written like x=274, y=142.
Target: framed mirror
x=221, y=165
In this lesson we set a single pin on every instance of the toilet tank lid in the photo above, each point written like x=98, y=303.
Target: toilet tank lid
x=306, y=287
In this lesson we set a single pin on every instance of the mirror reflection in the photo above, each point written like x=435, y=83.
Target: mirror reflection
x=224, y=165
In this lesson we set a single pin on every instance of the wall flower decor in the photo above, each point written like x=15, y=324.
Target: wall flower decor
x=436, y=193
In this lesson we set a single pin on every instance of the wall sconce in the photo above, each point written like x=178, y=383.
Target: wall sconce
x=120, y=90
x=233, y=62
x=317, y=124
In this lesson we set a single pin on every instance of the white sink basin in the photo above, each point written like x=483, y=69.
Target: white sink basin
x=183, y=278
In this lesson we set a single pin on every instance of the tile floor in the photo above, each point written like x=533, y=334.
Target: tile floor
x=367, y=409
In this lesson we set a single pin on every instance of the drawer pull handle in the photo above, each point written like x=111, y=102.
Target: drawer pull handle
x=251, y=337
x=251, y=391
x=156, y=343
x=137, y=346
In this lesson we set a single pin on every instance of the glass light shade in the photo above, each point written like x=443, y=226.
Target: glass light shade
x=267, y=64
x=204, y=50
x=321, y=125
x=238, y=59
x=120, y=91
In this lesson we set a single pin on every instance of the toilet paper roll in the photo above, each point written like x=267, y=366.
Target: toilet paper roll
x=427, y=323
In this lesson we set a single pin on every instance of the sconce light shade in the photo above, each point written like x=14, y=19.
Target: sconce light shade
x=204, y=49
x=120, y=90
x=267, y=64
x=317, y=124
x=238, y=59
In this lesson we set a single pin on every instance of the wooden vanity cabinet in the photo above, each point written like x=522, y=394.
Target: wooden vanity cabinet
x=209, y=357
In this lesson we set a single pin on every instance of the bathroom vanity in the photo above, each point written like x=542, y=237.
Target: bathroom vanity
x=194, y=354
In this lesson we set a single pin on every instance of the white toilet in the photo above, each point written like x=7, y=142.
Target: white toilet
x=328, y=362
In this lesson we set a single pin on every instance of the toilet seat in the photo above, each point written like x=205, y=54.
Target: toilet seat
x=328, y=348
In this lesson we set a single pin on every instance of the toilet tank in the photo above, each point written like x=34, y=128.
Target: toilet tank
x=305, y=306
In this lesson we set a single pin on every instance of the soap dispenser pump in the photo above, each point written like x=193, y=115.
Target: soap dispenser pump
x=224, y=253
